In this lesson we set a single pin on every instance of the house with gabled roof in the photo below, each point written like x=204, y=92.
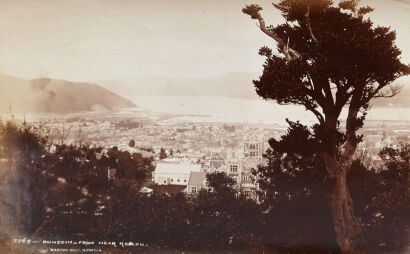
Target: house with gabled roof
x=217, y=161
x=197, y=181
x=174, y=173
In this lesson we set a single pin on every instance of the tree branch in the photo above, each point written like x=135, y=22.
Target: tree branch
x=342, y=97
x=253, y=11
x=378, y=93
x=351, y=127
x=328, y=92
x=309, y=25
x=318, y=115
x=316, y=93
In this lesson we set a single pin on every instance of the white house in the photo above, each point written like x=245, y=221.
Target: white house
x=174, y=173
x=197, y=181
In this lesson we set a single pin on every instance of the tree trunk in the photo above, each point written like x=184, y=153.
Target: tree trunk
x=347, y=227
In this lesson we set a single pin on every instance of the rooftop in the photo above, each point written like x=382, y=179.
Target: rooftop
x=175, y=168
x=197, y=178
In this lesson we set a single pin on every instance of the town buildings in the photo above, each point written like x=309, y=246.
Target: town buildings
x=236, y=162
x=235, y=149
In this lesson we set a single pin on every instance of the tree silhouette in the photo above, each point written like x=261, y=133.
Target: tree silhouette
x=294, y=188
x=162, y=154
x=382, y=199
x=329, y=58
x=131, y=143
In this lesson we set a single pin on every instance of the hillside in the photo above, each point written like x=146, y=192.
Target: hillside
x=236, y=85
x=55, y=96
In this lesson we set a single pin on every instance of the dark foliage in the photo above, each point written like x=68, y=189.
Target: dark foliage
x=292, y=216
x=228, y=128
x=382, y=199
x=295, y=190
x=162, y=154
x=131, y=143
x=127, y=124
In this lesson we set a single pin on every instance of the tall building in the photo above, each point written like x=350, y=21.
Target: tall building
x=253, y=149
x=238, y=164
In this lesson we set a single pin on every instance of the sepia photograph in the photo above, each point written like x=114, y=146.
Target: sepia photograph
x=205, y=126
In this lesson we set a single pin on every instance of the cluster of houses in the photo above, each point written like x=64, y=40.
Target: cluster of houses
x=237, y=163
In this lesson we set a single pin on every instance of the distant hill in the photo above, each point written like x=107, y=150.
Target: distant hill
x=237, y=85
x=55, y=96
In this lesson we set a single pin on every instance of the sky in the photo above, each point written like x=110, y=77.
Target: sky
x=85, y=40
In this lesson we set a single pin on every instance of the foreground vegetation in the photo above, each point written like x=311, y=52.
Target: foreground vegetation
x=62, y=192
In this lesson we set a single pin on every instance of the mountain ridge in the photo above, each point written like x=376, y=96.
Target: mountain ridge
x=47, y=95
x=234, y=85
